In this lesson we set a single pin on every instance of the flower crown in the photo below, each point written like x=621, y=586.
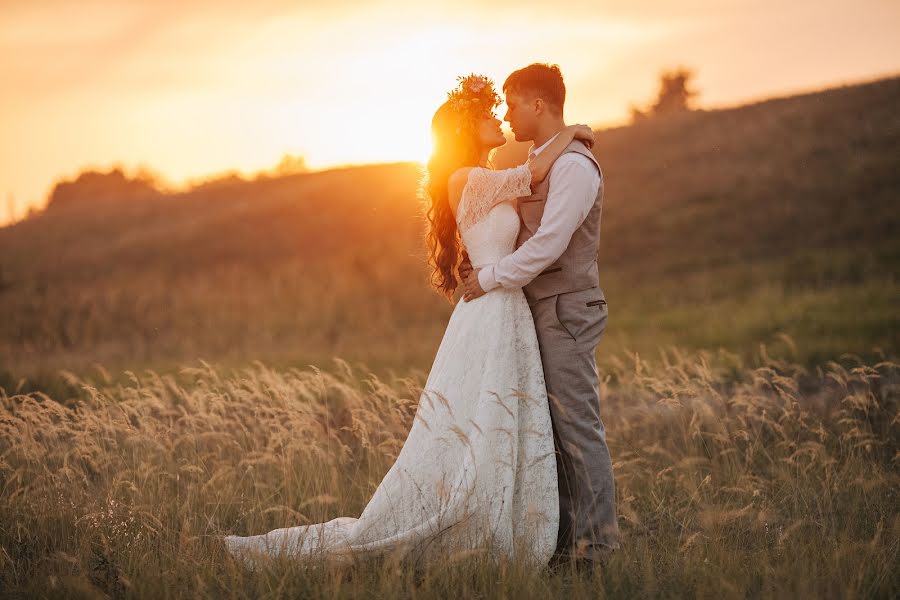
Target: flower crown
x=474, y=98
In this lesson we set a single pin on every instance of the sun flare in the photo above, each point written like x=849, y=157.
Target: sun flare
x=395, y=118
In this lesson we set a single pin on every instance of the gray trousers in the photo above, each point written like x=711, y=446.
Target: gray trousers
x=568, y=328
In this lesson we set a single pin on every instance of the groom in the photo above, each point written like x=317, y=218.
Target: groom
x=555, y=264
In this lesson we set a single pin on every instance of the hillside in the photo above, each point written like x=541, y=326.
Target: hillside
x=720, y=228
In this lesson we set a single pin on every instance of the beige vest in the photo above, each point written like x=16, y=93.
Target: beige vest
x=576, y=269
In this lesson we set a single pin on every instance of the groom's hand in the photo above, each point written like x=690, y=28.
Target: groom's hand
x=472, y=286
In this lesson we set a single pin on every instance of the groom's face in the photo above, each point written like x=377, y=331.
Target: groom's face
x=521, y=116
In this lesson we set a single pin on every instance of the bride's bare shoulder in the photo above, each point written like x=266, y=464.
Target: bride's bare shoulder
x=459, y=177
x=455, y=184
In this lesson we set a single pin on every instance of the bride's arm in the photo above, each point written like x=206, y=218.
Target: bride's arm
x=540, y=165
x=489, y=187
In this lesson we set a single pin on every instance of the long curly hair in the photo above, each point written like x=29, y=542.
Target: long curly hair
x=455, y=145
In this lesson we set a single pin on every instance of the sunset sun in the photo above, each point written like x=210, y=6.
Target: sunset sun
x=399, y=85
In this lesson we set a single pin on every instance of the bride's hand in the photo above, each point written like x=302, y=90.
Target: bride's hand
x=583, y=133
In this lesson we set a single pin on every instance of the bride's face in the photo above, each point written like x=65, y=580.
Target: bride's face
x=489, y=133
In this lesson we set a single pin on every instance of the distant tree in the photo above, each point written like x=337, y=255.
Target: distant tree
x=151, y=177
x=92, y=186
x=288, y=165
x=675, y=94
x=291, y=164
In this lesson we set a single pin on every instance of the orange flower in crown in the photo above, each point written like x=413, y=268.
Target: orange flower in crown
x=473, y=99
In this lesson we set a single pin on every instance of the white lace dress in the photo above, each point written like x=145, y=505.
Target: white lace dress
x=477, y=470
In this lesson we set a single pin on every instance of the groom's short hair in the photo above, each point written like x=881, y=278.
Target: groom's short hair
x=541, y=81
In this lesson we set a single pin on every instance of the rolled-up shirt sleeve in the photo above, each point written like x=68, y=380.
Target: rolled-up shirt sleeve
x=574, y=183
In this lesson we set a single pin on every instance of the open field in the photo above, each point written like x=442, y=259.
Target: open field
x=774, y=481
x=720, y=229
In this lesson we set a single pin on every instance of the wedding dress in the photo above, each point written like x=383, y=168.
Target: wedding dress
x=477, y=470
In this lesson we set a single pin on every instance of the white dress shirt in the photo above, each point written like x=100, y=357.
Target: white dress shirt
x=574, y=183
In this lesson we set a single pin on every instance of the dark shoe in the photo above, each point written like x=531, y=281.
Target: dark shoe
x=597, y=553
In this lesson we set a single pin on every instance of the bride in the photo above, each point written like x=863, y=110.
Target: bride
x=477, y=470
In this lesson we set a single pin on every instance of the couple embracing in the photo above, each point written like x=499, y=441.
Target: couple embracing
x=507, y=453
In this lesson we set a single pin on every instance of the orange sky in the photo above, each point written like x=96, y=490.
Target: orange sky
x=192, y=88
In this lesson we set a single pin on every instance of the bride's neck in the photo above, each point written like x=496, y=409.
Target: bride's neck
x=483, y=158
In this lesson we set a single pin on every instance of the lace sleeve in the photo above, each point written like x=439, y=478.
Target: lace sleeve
x=486, y=188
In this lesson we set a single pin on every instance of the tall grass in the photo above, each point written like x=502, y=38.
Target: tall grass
x=772, y=481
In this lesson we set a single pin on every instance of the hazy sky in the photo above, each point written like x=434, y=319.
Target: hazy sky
x=192, y=88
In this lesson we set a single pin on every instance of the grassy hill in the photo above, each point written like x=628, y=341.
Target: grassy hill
x=720, y=229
